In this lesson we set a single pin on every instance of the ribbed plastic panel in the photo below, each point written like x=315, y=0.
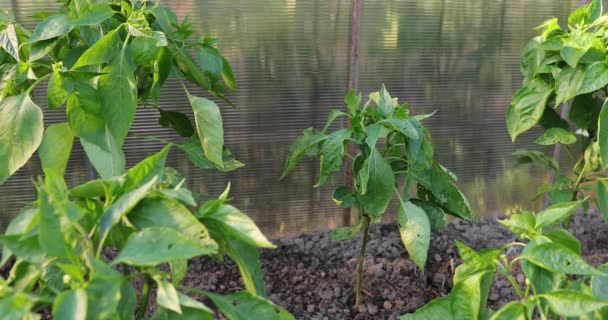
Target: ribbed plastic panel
x=290, y=59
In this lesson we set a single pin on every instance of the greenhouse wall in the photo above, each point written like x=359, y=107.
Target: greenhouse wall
x=290, y=58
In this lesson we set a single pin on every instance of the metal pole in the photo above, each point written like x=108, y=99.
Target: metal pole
x=353, y=84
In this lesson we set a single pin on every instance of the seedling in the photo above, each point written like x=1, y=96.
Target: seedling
x=394, y=154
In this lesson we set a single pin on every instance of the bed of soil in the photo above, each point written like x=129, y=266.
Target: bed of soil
x=313, y=277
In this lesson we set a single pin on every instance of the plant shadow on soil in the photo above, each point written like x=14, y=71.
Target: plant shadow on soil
x=313, y=277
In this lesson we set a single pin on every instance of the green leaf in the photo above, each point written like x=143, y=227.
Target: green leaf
x=150, y=168
x=599, y=284
x=19, y=225
x=345, y=233
x=211, y=60
x=178, y=121
x=386, y=105
x=572, y=303
x=527, y=107
x=168, y=213
x=71, y=305
x=596, y=77
x=26, y=247
x=233, y=224
x=582, y=47
x=156, y=245
x=332, y=154
x=247, y=258
x=542, y=279
x=103, y=296
x=51, y=27
x=52, y=235
x=602, y=198
x=145, y=51
x=102, y=51
x=556, y=135
x=403, y=126
x=434, y=213
x=193, y=149
x=513, y=310
x=531, y=59
x=557, y=258
x=343, y=197
x=122, y=207
x=21, y=130
x=17, y=306
x=438, y=309
x=602, y=134
x=128, y=301
x=162, y=69
x=551, y=119
x=179, y=269
x=415, y=231
x=118, y=94
x=107, y=158
x=564, y=238
x=9, y=41
x=56, y=147
x=93, y=15
x=537, y=157
x=556, y=213
x=58, y=89
x=586, y=14
x=568, y=83
x=584, y=111
x=210, y=128
x=227, y=75
x=189, y=69
x=380, y=185
x=333, y=115
x=300, y=146
x=373, y=133
x=353, y=101
x=466, y=297
x=245, y=306
x=166, y=295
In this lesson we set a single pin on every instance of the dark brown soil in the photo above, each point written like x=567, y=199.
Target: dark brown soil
x=313, y=277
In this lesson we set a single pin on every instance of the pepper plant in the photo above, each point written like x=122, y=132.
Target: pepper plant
x=102, y=59
x=558, y=282
x=78, y=250
x=567, y=67
x=394, y=155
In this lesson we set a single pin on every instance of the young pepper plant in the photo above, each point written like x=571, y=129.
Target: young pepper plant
x=558, y=282
x=77, y=250
x=102, y=59
x=567, y=67
x=394, y=151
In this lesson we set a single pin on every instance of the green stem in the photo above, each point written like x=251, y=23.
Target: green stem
x=515, y=285
x=575, y=192
x=359, y=284
x=145, y=296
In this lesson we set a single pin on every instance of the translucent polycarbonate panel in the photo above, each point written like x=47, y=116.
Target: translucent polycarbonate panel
x=290, y=58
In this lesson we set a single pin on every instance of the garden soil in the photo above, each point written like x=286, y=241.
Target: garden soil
x=313, y=277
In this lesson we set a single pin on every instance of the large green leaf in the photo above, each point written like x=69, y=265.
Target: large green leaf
x=118, y=94
x=193, y=149
x=380, y=185
x=59, y=87
x=556, y=213
x=542, y=280
x=156, y=245
x=602, y=198
x=151, y=167
x=584, y=111
x=415, y=231
x=466, y=297
x=122, y=207
x=300, y=146
x=19, y=225
x=596, y=77
x=26, y=247
x=581, y=46
x=107, y=158
x=386, y=105
x=564, y=238
x=556, y=135
x=169, y=213
x=56, y=147
x=435, y=214
x=572, y=303
x=586, y=14
x=513, y=310
x=9, y=41
x=166, y=295
x=93, y=15
x=332, y=154
x=232, y=224
x=536, y=157
x=568, y=83
x=210, y=128
x=527, y=107
x=599, y=284
x=103, y=296
x=71, y=305
x=102, y=51
x=51, y=27
x=247, y=258
x=602, y=133
x=51, y=234
x=245, y=306
x=437, y=309
x=21, y=130
x=557, y=258
x=178, y=121
x=17, y=306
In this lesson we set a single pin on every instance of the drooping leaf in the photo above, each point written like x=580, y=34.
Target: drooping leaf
x=166, y=295
x=572, y=303
x=434, y=213
x=210, y=128
x=527, y=107
x=332, y=154
x=247, y=258
x=123, y=206
x=333, y=115
x=228, y=75
x=343, y=197
x=211, y=60
x=298, y=149
x=71, y=305
x=557, y=258
x=415, y=231
x=556, y=135
x=21, y=131
x=245, y=306
x=56, y=147
x=536, y=157
x=193, y=149
x=156, y=245
x=178, y=121
x=602, y=134
x=380, y=185
x=602, y=198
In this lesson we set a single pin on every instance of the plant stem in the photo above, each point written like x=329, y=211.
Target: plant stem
x=575, y=193
x=360, y=261
x=145, y=296
x=515, y=285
